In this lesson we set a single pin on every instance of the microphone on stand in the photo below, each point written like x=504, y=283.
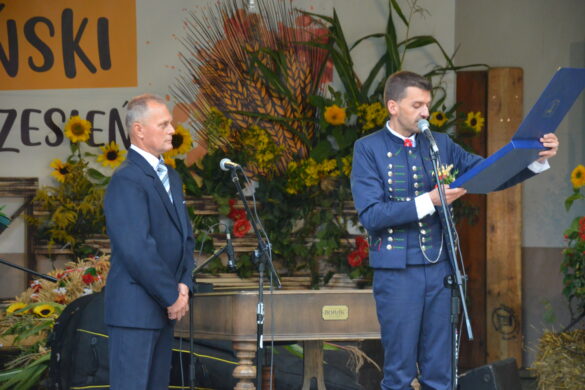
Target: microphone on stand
x=424, y=127
x=226, y=164
x=231, y=263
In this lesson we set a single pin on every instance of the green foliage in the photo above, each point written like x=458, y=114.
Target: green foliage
x=32, y=366
x=577, y=195
x=390, y=61
x=307, y=227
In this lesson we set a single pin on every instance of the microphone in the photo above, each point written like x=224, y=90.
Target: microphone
x=424, y=127
x=231, y=263
x=226, y=164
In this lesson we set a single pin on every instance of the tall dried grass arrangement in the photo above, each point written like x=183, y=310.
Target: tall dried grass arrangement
x=254, y=69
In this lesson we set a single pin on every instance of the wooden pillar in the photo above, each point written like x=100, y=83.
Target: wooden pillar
x=472, y=97
x=245, y=372
x=313, y=364
x=504, y=224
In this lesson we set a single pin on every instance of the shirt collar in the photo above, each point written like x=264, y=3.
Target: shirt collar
x=150, y=158
x=412, y=137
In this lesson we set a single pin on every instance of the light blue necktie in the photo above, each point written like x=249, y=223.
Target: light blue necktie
x=163, y=174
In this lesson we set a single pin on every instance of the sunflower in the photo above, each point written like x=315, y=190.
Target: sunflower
x=15, y=307
x=61, y=169
x=77, y=129
x=578, y=176
x=170, y=161
x=475, y=121
x=44, y=310
x=334, y=115
x=111, y=155
x=181, y=142
x=438, y=118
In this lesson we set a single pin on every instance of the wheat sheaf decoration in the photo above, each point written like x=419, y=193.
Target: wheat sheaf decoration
x=249, y=76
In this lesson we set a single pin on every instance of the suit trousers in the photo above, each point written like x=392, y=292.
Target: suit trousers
x=413, y=307
x=140, y=359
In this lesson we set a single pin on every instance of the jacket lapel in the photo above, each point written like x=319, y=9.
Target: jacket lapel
x=425, y=156
x=177, y=192
x=158, y=186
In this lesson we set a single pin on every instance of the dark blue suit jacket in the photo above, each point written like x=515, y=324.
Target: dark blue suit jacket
x=152, y=245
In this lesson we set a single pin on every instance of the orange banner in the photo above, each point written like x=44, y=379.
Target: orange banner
x=67, y=44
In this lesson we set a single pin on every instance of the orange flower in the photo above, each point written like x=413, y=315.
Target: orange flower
x=334, y=115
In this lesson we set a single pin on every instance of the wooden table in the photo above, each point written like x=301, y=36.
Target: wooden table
x=310, y=316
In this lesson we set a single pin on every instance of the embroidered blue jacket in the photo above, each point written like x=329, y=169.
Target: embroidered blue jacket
x=385, y=179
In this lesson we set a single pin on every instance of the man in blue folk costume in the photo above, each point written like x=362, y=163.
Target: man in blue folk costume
x=396, y=200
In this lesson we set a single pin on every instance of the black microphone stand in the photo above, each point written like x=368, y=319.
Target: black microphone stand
x=454, y=281
x=262, y=257
x=30, y=271
x=3, y=225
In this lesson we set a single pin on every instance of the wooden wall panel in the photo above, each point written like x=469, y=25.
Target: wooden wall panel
x=504, y=224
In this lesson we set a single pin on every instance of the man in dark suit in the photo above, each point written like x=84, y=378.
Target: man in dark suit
x=152, y=252
x=395, y=196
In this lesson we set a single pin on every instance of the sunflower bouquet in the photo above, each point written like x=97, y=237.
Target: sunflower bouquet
x=72, y=209
x=573, y=264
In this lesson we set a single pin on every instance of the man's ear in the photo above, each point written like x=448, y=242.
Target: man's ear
x=392, y=107
x=137, y=130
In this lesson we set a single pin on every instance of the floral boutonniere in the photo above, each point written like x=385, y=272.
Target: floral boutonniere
x=446, y=174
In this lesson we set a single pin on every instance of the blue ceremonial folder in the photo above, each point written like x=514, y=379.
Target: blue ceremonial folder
x=544, y=117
